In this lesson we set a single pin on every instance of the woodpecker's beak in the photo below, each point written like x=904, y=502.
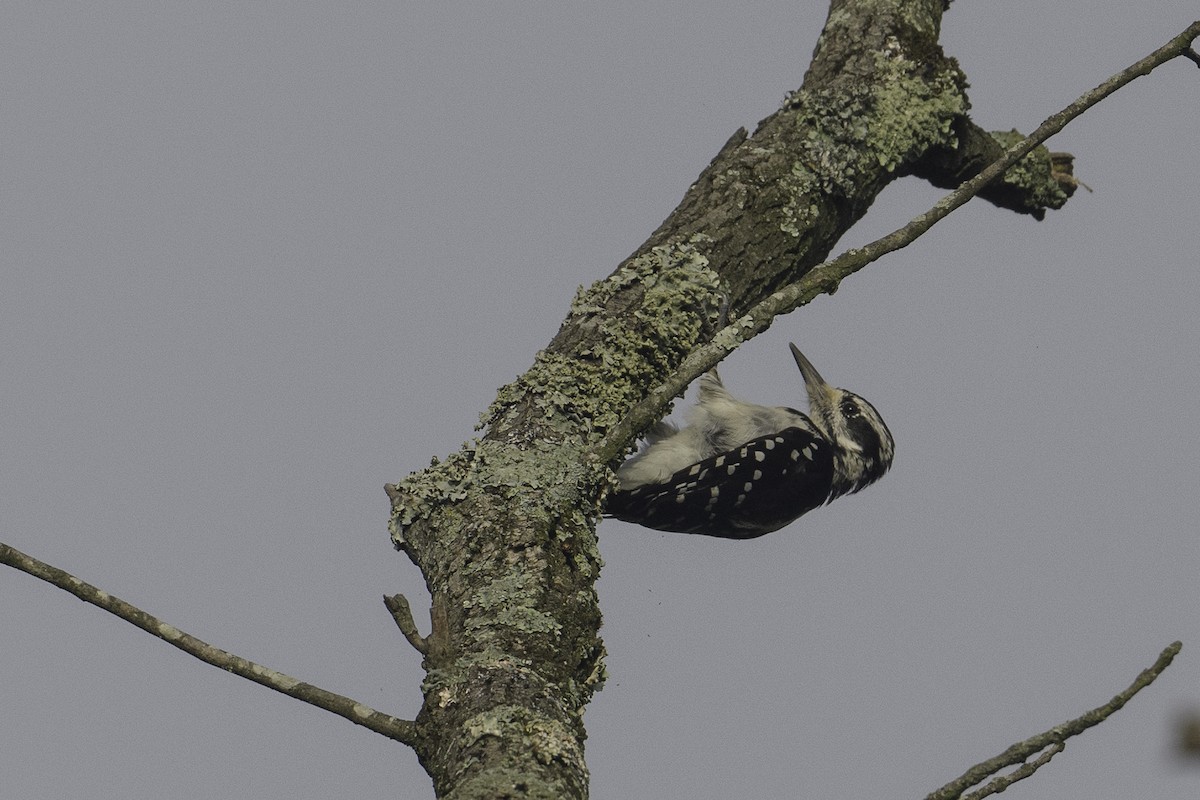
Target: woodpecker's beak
x=819, y=392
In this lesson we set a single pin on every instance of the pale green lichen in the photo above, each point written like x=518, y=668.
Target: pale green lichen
x=488, y=465
x=854, y=128
x=169, y=632
x=545, y=738
x=507, y=599
x=576, y=391
x=1032, y=174
x=422, y=492
x=917, y=111
x=532, y=741
x=448, y=683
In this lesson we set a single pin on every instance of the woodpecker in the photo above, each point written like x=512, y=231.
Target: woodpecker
x=739, y=470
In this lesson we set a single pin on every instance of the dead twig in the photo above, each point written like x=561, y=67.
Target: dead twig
x=399, y=729
x=1054, y=739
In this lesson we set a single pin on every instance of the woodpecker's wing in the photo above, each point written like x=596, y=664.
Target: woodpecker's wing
x=745, y=492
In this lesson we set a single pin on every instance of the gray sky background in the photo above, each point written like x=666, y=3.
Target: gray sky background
x=260, y=259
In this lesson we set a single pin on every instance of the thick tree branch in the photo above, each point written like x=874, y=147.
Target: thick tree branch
x=1053, y=739
x=503, y=531
x=827, y=277
x=401, y=730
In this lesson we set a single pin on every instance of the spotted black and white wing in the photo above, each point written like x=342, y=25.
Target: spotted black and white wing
x=746, y=492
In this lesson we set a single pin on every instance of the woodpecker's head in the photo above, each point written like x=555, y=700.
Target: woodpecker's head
x=864, y=446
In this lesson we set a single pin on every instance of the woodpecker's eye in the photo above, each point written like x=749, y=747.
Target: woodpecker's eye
x=849, y=409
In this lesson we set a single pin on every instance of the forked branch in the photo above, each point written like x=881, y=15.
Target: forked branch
x=1051, y=741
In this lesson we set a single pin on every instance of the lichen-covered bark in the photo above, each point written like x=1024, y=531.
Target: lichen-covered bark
x=504, y=530
x=1040, y=181
x=504, y=533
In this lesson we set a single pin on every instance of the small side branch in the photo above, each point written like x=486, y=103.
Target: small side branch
x=825, y=278
x=399, y=729
x=1053, y=739
x=401, y=612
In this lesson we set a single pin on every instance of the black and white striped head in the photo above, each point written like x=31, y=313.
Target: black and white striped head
x=863, y=445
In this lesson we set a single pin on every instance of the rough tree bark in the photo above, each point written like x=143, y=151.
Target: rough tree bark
x=504, y=530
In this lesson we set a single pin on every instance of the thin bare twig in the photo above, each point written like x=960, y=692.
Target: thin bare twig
x=825, y=278
x=1017, y=753
x=399, y=729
